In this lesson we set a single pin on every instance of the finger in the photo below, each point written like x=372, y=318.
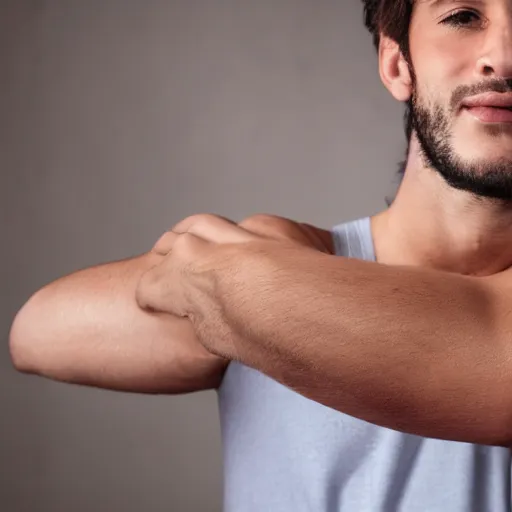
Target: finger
x=323, y=237
x=214, y=228
x=159, y=290
x=145, y=292
x=271, y=226
x=165, y=243
x=166, y=287
x=282, y=228
x=278, y=228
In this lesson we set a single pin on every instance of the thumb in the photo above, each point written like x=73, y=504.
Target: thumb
x=145, y=290
x=158, y=289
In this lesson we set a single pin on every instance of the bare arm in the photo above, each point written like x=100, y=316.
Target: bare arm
x=86, y=328
x=418, y=350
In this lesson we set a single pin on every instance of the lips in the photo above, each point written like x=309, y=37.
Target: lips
x=490, y=107
x=489, y=100
x=490, y=115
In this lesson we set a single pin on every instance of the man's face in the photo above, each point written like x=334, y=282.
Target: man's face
x=461, y=57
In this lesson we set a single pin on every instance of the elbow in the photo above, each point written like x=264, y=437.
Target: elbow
x=18, y=353
x=18, y=359
x=21, y=346
x=18, y=349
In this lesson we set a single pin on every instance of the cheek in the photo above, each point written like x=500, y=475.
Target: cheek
x=438, y=73
x=445, y=58
x=452, y=62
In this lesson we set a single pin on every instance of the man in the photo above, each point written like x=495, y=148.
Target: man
x=402, y=319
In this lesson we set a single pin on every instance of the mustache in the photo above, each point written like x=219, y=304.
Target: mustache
x=498, y=85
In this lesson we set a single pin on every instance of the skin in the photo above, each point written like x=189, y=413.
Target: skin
x=431, y=224
x=86, y=328
x=436, y=360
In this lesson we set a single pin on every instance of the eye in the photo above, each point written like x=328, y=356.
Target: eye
x=462, y=19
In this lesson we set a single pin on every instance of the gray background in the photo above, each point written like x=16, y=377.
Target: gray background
x=117, y=119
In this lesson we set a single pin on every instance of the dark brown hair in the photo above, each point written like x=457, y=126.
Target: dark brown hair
x=392, y=19
x=389, y=17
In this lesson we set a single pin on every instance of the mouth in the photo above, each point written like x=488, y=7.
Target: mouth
x=466, y=107
x=489, y=100
x=490, y=114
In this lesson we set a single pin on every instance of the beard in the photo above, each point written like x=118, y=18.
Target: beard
x=481, y=178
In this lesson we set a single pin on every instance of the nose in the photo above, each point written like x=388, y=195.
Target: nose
x=496, y=59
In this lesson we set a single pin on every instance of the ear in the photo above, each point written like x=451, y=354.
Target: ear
x=394, y=70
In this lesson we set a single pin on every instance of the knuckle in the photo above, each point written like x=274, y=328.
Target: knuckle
x=185, y=244
x=272, y=226
x=206, y=217
x=182, y=241
x=165, y=238
x=198, y=219
x=164, y=243
x=260, y=220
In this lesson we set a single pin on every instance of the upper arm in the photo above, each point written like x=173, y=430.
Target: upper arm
x=86, y=328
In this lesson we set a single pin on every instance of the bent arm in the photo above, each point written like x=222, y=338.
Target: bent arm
x=412, y=349
x=86, y=328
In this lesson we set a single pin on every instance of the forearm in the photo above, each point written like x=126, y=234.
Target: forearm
x=86, y=328
x=407, y=348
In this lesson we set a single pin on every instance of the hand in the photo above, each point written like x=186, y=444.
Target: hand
x=270, y=227
x=201, y=249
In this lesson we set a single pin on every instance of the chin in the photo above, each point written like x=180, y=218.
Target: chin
x=482, y=164
x=474, y=150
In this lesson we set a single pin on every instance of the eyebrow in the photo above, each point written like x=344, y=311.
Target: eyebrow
x=440, y=3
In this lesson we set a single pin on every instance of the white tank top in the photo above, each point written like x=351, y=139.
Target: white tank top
x=286, y=453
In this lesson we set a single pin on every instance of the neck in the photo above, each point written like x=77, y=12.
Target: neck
x=431, y=224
